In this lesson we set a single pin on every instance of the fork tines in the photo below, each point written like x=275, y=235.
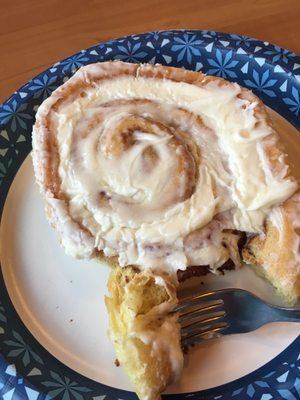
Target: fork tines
x=201, y=318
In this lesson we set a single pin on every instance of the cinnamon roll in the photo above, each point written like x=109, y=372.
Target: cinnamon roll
x=152, y=164
x=164, y=169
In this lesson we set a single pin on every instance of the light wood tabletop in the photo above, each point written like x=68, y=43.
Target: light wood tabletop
x=34, y=34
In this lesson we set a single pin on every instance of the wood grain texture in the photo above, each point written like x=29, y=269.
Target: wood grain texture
x=34, y=34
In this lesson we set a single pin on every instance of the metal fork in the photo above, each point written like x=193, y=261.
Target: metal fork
x=227, y=311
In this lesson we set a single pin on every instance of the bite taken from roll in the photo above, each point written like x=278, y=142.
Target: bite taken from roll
x=160, y=169
x=145, y=334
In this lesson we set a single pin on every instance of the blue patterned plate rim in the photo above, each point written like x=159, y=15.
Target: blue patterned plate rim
x=270, y=71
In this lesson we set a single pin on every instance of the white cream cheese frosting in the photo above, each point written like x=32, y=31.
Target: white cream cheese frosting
x=145, y=162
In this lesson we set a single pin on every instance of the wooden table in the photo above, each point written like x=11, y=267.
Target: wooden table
x=36, y=33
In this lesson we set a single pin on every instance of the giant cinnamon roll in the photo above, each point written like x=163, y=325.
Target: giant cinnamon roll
x=152, y=164
x=162, y=169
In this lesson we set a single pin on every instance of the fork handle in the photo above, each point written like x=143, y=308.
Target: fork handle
x=285, y=314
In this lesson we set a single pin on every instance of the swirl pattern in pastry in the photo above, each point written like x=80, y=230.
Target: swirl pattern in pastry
x=156, y=165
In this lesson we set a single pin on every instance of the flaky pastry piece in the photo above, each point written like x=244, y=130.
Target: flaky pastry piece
x=145, y=335
x=275, y=254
